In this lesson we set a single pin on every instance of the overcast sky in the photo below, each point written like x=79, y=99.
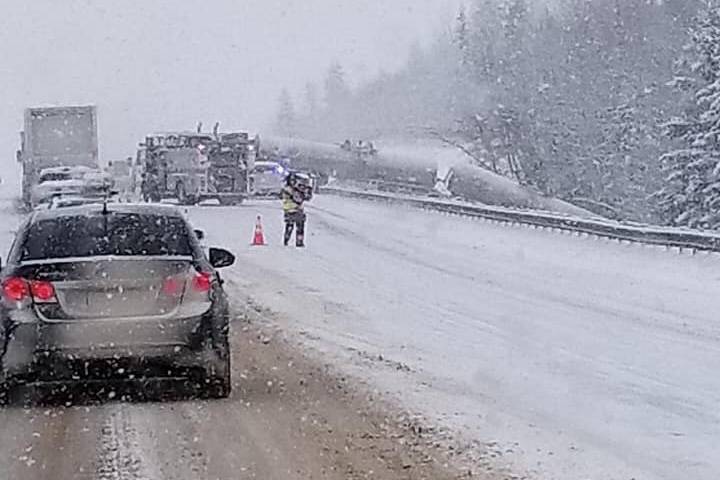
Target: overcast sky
x=165, y=64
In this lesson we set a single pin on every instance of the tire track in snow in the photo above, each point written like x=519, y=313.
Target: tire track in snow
x=170, y=431
x=122, y=455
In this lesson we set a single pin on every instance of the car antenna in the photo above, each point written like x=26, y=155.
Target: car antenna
x=106, y=195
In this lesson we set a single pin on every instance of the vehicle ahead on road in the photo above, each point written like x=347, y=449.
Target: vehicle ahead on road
x=69, y=181
x=66, y=201
x=193, y=167
x=56, y=137
x=120, y=285
x=267, y=179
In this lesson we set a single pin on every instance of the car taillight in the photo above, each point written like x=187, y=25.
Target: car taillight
x=172, y=286
x=42, y=291
x=16, y=289
x=201, y=282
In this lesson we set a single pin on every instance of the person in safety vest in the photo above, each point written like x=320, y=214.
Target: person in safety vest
x=294, y=194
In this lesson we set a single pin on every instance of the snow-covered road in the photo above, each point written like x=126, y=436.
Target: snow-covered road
x=570, y=357
x=567, y=357
x=287, y=419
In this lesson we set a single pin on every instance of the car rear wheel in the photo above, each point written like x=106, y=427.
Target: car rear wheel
x=183, y=197
x=217, y=382
x=180, y=193
x=6, y=390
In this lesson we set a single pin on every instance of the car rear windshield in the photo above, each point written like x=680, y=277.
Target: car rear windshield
x=110, y=234
x=54, y=177
x=266, y=168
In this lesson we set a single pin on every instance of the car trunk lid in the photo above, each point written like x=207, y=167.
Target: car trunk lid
x=112, y=287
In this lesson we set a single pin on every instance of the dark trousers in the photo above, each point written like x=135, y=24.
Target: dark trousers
x=292, y=220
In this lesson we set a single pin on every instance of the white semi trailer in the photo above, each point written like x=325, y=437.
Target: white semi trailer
x=56, y=137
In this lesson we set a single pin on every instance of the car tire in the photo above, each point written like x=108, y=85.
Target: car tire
x=181, y=193
x=218, y=379
x=218, y=383
x=183, y=197
x=6, y=390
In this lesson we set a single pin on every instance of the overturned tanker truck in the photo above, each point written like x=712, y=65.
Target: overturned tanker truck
x=426, y=171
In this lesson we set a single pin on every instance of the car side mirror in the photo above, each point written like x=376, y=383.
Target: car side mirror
x=220, y=258
x=200, y=234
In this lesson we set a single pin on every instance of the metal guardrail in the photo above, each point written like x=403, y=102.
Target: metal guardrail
x=668, y=237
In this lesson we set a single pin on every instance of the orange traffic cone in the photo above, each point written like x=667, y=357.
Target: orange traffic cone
x=259, y=237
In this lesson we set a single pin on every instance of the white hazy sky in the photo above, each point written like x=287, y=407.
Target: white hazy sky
x=165, y=64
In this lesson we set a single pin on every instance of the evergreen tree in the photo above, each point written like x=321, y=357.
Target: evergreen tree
x=286, y=121
x=311, y=101
x=337, y=93
x=691, y=196
x=461, y=37
x=568, y=96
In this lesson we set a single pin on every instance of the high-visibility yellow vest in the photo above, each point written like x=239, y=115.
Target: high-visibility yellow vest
x=288, y=201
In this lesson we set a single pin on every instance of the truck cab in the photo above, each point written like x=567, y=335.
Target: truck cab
x=192, y=167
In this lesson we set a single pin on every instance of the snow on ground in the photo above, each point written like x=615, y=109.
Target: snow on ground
x=574, y=358
x=9, y=221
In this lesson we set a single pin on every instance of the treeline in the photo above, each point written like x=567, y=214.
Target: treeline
x=608, y=103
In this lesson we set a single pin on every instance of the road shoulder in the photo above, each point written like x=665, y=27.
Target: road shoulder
x=357, y=433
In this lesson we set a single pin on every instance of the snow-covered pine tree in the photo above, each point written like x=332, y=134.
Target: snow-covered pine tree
x=691, y=195
x=337, y=92
x=461, y=37
x=312, y=102
x=619, y=135
x=286, y=121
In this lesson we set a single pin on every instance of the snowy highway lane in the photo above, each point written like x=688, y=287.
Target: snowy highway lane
x=287, y=418
x=563, y=357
